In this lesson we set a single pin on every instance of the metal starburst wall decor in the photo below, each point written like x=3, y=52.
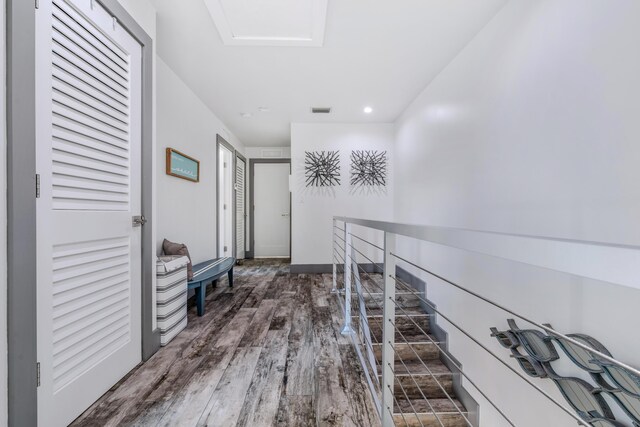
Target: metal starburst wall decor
x=322, y=168
x=368, y=167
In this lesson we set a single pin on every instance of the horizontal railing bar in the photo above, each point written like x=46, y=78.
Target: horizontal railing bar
x=416, y=231
x=511, y=368
x=432, y=376
x=376, y=264
x=404, y=339
x=372, y=388
x=401, y=413
x=379, y=324
x=406, y=396
x=366, y=241
x=426, y=367
x=341, y=229
x=371, y=279
x=613, y=263
x=339, y=237
x=513, y=313
x=421, y=361
x=445, y=354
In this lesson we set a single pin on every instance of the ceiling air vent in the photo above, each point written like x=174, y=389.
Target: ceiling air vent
x=320, y=110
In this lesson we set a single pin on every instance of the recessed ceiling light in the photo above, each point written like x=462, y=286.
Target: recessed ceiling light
x=368, y=110
x=246, y=115
x=264, y=109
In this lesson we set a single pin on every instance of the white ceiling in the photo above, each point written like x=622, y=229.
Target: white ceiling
x=377, y=53
x=269, y=23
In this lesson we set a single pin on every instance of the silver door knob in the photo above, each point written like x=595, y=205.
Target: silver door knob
x=139, y=220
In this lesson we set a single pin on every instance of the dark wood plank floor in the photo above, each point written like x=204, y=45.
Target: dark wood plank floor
x=267, y=352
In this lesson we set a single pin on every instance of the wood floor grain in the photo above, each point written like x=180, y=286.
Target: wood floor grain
x=268, y=352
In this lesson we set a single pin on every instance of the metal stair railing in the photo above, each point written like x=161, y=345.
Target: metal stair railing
x=382, y=281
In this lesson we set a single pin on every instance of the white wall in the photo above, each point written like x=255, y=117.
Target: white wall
x=3, y=224
x=268, y=152
x=533, y=128
x=313, y=208
x=187, y=210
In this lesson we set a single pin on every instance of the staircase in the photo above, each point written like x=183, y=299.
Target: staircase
x=424, y=389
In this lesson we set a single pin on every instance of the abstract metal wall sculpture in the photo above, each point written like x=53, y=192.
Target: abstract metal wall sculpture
x=322, y=168
x=368, y=167
x=623, y=386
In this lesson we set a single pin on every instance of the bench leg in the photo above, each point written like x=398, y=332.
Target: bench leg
x=201, y=293
x=230, y=273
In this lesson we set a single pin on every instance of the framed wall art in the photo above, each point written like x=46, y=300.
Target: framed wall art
x=182, y=166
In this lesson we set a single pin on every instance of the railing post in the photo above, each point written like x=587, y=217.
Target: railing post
x=347, y=329
x=334, y=289
x=388, y=331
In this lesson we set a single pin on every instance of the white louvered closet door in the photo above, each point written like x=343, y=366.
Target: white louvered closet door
x=88, y=88
x=241, y=168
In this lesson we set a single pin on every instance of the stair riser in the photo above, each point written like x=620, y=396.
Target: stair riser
x=376, y=300
x=400, y=337
x=411, y=352
x=429, y=420
x=407, y=326
x=423, y=385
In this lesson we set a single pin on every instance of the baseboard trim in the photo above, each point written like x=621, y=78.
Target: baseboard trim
x=442, y=336
x=328, y=268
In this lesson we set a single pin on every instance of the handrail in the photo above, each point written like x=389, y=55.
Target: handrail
x=614, y=263
x=526, y=319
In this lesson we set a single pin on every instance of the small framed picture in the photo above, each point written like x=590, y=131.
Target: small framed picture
x=182, y=166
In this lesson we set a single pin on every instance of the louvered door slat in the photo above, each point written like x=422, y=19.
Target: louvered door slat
x=89, y=152
x=89, y=163
x=70, y=369
x=60, y=108
x=93, y=286
x=61, y=133
x=89, y=109
x=90, y=133
x=240, y=207
x=86, y=107
x=98, y=334
x=63, y=74
x=88, y=32
x=91, y=57
x=74, y=342
x=94, y=101
x=74, y=67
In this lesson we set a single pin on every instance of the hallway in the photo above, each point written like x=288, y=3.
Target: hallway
x=267, y=352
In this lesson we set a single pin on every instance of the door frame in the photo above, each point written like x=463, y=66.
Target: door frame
x=220, y=141
x=252, y=208
x=235, y=207
x=21, y=203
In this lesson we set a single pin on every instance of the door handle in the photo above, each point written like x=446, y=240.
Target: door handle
x=139, y=220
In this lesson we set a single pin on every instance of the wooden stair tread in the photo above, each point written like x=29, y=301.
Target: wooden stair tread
x=407, y=351
x=376, y=311
x=441, y=405
x=416, y=367
x=407, y=337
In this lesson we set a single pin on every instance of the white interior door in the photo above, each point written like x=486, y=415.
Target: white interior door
x=241, y=167
x=225, y=202
x=88, y=89
x=272, y=210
